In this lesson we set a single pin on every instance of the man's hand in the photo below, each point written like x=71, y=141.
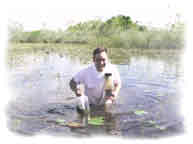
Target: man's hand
x=75, y=88
x=111, y=96
x=73, y=84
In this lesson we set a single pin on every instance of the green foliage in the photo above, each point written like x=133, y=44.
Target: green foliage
x=118, y=23
x=96, y=121
x=33, y=36
x=140, y=112
x=61, y=121
x=15, y=32
x=117, y=32
x=122, y=22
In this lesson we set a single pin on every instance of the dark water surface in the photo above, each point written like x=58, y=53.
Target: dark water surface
x=148, y=104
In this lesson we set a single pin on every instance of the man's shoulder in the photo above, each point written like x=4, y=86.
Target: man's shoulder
x=88, y=69
x=111, y=67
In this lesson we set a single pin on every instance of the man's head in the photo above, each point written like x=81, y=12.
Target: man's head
x=100, y=58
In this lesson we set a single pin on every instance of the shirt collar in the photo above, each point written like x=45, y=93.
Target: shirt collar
x=103, y=72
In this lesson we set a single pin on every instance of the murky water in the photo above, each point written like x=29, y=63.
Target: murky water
x=148, y=104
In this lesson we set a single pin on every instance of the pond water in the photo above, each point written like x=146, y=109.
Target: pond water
x=151, y=82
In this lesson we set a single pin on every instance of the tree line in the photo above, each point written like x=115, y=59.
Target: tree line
x=117, y=31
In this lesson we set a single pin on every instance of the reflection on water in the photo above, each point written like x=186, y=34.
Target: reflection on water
x=148, y=105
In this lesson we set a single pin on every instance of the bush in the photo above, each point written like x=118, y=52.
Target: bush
x=97, y=33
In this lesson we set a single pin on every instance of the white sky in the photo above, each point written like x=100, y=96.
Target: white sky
x=54, y=16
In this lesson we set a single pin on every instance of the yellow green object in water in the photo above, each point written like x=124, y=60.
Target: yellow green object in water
x=96, y=121
x=140, y=112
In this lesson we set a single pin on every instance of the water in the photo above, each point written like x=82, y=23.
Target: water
x=148, y=104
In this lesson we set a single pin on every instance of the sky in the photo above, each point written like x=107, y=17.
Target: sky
x=33, y=14
x=151, y=13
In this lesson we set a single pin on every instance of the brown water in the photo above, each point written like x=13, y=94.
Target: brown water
x=148, y=105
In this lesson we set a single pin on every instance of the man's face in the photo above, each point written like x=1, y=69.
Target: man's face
x=100, y=61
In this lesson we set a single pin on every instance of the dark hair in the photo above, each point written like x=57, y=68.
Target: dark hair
x=99, y=50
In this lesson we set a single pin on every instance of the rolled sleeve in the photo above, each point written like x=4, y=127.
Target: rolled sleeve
x=116, y=77
x=79, y=77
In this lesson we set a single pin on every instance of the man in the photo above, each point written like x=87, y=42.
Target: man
x=93, y=80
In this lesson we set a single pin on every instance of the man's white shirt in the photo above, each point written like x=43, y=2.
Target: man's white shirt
x=93, y=82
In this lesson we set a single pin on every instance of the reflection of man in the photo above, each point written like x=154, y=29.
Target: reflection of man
x=92, y=78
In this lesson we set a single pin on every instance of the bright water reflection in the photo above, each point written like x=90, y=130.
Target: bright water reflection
x=150, y=83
